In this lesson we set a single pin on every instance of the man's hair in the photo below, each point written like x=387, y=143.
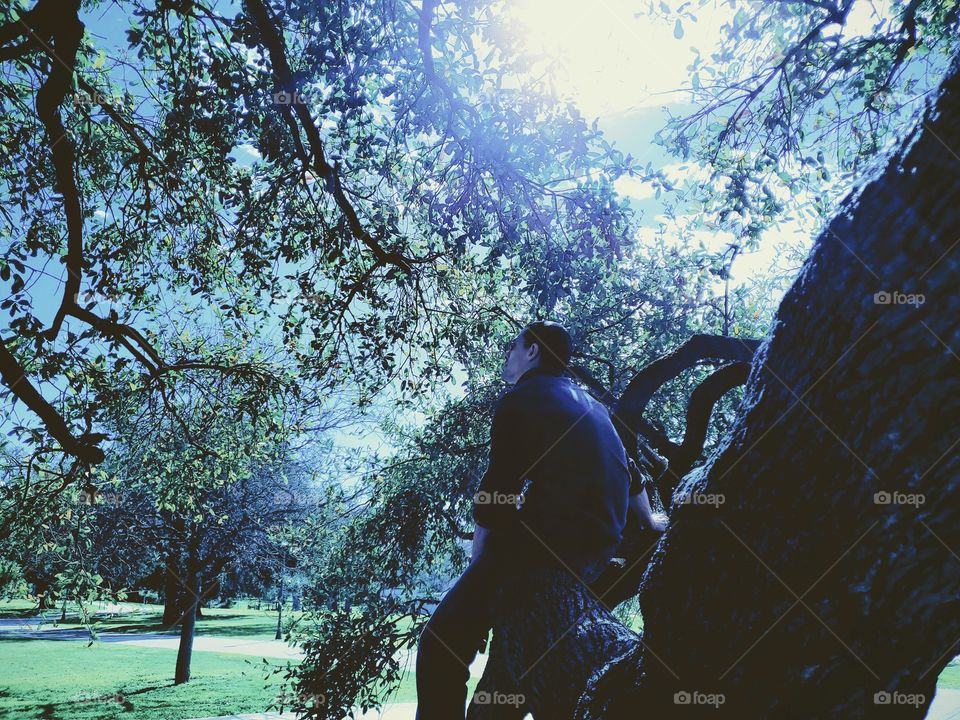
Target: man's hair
x=555, y=343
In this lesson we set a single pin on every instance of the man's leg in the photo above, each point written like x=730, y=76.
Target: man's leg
x=450, y=641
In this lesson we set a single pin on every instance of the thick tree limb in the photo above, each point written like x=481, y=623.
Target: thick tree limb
x=66, y=31
x=699, y=347
x=813, y=588
x=702, y=401
x=628, y=412
x=15, y=378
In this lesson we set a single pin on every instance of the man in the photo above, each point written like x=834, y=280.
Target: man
x=556, y=491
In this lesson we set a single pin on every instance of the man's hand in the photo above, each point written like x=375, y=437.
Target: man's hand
x=658, y=522
x=640, y=507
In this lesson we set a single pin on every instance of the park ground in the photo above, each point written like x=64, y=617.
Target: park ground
x=127, y=674
x=116, y=678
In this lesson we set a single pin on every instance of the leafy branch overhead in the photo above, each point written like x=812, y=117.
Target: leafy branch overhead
x=336, y=175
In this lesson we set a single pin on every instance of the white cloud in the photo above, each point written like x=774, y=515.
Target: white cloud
x=634, y=187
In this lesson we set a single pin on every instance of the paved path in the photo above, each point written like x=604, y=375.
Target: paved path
x=945, y=705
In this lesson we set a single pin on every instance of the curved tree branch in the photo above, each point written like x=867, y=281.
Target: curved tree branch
x=283, y=75
x=702, y=401
x=66, y=31
x=15, y=378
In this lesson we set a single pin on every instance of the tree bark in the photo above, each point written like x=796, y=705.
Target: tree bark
x=172, y=606
x=201, y=596
x=189, y=623
x=810, y=569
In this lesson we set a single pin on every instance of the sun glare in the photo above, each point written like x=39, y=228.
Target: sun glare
x=609, y=58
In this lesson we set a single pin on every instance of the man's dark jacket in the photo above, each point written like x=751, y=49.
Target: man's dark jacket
x=552, y=438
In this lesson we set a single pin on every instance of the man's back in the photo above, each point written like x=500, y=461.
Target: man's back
x=554, y=435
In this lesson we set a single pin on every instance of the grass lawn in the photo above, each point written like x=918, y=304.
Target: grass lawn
x=18, y=608
x=238, y=621
x=67, y=680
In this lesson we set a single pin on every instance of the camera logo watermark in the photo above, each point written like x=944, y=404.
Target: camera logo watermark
x=898, y=298
x=282, y=97
x=295, y=498
x=114, y=100
x=301, y=699
x=695, y=697
x=898, y=498
x=715, y=499
x=484, y=697
x=498, y=498
x=93, y=497
x=899, y=698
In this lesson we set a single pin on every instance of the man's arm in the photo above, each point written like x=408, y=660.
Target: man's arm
x=503, y=478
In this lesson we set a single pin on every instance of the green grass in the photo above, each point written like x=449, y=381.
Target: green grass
x=68, y=680
x=18, y=608
x=146, y=618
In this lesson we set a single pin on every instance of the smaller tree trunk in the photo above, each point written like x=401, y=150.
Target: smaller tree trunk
x=172, y=609
x=201, y=598
x=279, y=608
x=189, y=624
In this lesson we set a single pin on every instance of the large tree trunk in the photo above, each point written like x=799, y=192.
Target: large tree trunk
x=816, y=574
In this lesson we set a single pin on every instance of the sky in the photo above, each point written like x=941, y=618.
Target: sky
x=627, y=69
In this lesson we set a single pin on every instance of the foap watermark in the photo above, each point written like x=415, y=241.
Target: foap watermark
x=96, y=497
x=294, y=498
x=885, y=697
x=884, y=497
x=483, y=497
x=114, y=100
x=695, y=498
x=282, y=97
x=487, y=697
x=696, y=697
x=301, y=699
x=92, y=298
x=117, y=697
x=898, y=298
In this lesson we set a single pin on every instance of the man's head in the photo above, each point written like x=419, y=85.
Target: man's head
x=540, y=344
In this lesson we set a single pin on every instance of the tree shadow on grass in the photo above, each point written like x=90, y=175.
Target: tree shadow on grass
x=48, y=710
x=247, y=625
